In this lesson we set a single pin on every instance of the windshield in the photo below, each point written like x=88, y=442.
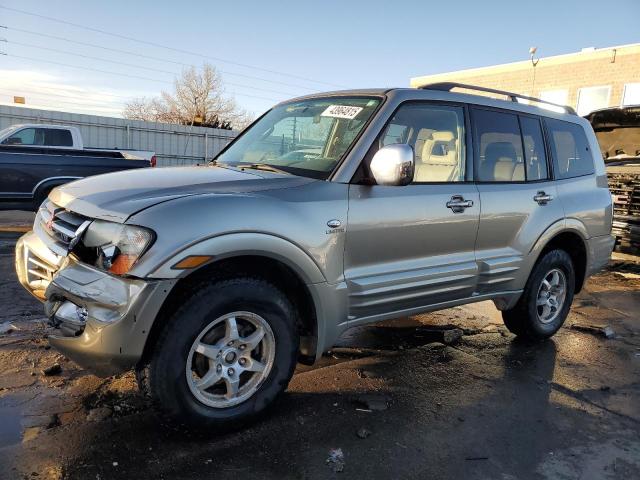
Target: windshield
x=7, y=131
x=307, y=138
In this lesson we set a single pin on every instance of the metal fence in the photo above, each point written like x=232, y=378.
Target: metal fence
x=173, y=144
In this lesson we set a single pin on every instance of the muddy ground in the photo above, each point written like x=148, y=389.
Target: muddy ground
x=395, y=399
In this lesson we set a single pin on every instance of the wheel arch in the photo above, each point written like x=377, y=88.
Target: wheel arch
x=270, y=268
x=569, y=235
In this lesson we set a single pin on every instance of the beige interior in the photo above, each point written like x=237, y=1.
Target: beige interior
x=501, y=164
x=437, y=157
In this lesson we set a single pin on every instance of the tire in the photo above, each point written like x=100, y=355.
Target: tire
x=165, y=378
x=527, y=319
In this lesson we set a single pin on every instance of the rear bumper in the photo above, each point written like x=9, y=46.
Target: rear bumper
x=102, y=321
x=599, y=252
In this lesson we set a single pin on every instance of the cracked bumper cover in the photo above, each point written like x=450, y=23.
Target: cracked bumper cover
x=119, y=312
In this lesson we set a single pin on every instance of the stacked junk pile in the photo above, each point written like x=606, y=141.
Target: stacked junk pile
x=618, y=132
x=624, y=183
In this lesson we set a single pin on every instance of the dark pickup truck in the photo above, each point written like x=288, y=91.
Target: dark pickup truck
x=28, y=174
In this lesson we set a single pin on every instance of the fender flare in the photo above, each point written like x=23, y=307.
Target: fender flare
x=49, y=183
x=245, y=243
x=572, y=225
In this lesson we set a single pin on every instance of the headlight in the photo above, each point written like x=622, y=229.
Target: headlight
x=118, y=246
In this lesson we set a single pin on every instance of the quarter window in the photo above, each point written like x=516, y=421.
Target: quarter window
x=498, y=147
x=437, y=135
x=570, y=149
x=534, y=154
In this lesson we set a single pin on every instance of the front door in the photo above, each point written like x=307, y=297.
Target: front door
x=411, y=247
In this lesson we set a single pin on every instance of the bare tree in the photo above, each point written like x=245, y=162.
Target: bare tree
x=198, y=99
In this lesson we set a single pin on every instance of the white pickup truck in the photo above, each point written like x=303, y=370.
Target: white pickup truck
x=61, y=137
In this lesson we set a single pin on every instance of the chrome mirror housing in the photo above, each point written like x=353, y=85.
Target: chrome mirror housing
x=393, y=165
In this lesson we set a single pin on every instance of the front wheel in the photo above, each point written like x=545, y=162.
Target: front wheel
x=546, y=300
x=225, y=355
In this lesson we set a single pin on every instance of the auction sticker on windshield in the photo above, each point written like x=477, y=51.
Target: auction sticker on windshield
x=341, y=111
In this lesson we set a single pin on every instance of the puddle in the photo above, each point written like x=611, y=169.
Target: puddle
x=10, y=423
x=391, y=337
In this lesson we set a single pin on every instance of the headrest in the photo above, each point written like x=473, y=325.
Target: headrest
x=444, y=136
x=498, y=150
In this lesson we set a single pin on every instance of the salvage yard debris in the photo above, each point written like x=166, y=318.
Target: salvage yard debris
x=54, y=369
x=605, y=331
x=335, y=460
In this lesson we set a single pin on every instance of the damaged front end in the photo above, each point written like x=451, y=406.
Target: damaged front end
x=101, y=316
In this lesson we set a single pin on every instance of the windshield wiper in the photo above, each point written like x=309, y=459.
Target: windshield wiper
x=260, y=166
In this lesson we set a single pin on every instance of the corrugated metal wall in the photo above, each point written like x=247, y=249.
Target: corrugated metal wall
x=173, y=144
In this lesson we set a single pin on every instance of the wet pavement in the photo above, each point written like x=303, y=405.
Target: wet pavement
x=411, y=398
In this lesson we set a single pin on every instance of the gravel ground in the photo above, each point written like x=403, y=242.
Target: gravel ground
x=391, y=401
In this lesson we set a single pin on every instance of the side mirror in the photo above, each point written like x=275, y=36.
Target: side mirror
x=393, y=165
x=13, y=141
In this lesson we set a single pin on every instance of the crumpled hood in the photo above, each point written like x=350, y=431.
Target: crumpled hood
x=117, y=196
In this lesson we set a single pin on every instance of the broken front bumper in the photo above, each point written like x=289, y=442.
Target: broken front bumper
x=102, y=320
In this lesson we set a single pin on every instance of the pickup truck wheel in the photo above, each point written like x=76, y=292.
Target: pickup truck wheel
x=546, y=300
x=225, y=355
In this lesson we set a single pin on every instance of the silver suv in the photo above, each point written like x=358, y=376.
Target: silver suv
x=330, y=211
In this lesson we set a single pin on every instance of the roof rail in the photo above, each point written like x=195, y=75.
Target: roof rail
x=448, y=86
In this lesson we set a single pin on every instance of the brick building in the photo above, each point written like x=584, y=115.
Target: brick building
x=591, y=79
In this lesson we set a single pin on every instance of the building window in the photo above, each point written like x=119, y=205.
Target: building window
x=593, y=98
x=554, y=96
x=631, y=94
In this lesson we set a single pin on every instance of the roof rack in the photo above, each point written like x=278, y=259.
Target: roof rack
x=448, y=86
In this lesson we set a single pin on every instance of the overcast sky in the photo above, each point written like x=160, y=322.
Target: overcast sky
x=269, y=51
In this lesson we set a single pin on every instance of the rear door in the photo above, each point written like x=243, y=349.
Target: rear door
x=518, y=197
x=408, y=247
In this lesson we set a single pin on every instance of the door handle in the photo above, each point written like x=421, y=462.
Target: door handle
x=542, y=198
x=457, y=204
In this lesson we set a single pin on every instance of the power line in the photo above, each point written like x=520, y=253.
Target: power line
x=158, y=59
x=66, y=102
x=80, y=91
x=131, y=65
x=124, y=75
x=24, y=92
x=166, y=47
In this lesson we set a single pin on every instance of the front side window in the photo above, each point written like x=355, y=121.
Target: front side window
x=498, y=147
x=307, y=138
x=570, y=149
x=437, y=135
x=26, y=136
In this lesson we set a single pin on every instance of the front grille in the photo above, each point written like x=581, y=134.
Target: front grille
x=625, y=192
x=58, y=227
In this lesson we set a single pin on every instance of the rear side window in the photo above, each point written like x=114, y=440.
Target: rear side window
x=570, y=149
x=534, y=154
x=57, y=138
x=498, y=147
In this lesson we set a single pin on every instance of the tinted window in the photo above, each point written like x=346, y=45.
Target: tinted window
x=498, y=147
x=57, y=138
x=436, y=133
x=534, y=154
x=570, y=149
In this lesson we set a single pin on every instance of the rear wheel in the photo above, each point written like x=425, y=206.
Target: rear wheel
x=225, y=355
x=546, y=300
